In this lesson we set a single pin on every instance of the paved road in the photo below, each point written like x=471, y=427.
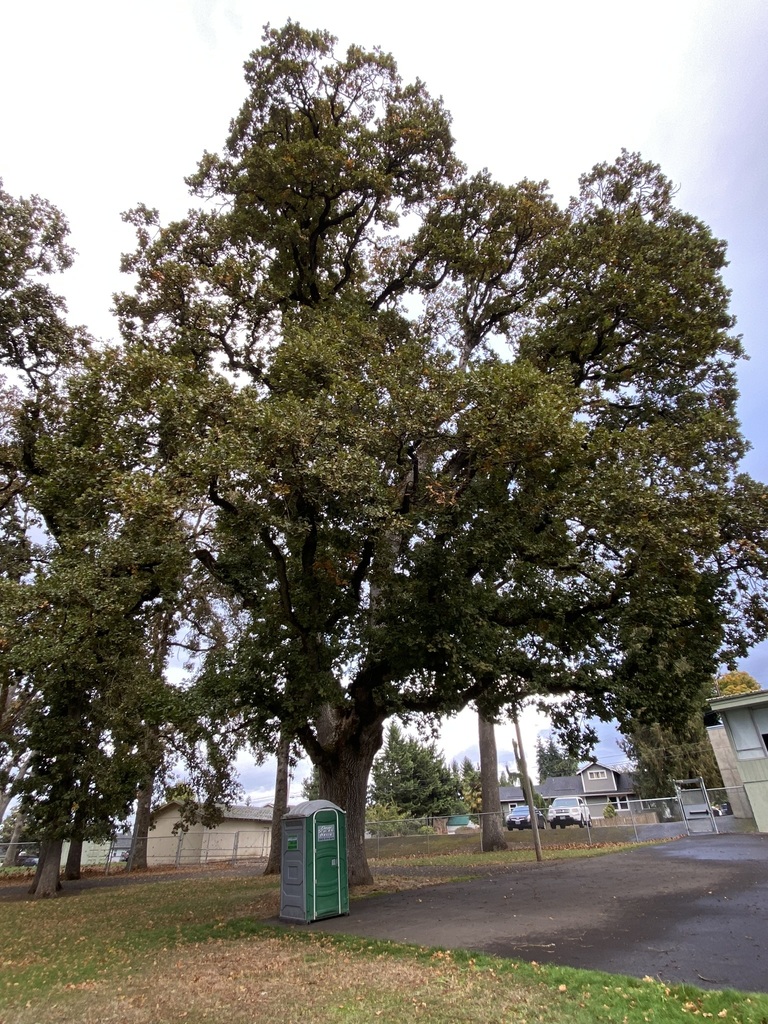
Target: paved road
x=694, y=910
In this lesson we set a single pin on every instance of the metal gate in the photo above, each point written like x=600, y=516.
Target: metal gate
x=695, y=807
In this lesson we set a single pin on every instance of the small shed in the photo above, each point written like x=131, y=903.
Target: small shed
x=243, y=833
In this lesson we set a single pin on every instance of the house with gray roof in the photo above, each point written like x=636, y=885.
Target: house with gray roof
x=598, y=783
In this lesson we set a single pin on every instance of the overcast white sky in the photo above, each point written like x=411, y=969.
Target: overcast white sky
x=106, y=104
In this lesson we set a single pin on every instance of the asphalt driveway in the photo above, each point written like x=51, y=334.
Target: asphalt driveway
x=694, y=910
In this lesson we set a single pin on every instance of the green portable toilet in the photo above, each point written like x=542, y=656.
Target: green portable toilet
x=313, y=881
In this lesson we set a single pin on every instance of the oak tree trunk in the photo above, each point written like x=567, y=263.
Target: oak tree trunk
x=72, y=868
x=46, y=881
x=343, y=770
x=492, y=837
x=137, y=859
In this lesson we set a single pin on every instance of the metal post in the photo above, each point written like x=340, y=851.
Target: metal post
x=132, y=852
x=109, y=856
x=683, y=815
x=632, y=817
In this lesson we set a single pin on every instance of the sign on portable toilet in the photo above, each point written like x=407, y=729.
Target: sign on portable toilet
x=313, y=878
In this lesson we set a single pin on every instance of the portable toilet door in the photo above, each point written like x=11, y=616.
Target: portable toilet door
x=314, y=862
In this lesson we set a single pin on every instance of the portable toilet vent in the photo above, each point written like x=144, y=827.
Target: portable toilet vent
x=313, y=881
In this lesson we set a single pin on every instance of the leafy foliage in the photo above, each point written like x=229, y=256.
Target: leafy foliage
x=471, y=786
x=35, y=339
x=661, y=755
x=92, y=530
x=732, y=683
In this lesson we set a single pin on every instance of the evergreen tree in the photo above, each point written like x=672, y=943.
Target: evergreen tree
x=310, y=787
x=412, y=777
x=554, y=761
x=471, y=786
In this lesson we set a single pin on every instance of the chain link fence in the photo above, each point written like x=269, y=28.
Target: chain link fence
x=179, y=850
x=723, y=810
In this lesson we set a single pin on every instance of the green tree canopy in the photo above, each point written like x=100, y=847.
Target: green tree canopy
x=662, y=754
x=94, y=533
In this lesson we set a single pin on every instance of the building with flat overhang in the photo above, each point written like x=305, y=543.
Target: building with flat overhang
x=744, y=719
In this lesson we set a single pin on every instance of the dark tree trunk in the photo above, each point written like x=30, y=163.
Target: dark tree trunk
x=137, y=859
x=75, y=852
x=492, y=837
x=46, y=882
x=344, y=758
x=280, y=805
x=74, y=859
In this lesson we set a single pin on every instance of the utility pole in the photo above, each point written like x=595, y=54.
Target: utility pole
x=527, y=787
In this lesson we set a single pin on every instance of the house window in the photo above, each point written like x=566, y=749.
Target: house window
x=621, y=803
x=597, y=773
x=746, y=733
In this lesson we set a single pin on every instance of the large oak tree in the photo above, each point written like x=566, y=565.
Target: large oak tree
x=463, y=445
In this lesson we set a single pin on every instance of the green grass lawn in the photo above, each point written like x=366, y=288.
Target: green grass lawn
x=200, y=950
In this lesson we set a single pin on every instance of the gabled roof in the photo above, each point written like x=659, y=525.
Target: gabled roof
x=571, y=785
x=238, y=812
x=511, y=794
x=596, y=764
x=248, y=813
x=561, y=785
